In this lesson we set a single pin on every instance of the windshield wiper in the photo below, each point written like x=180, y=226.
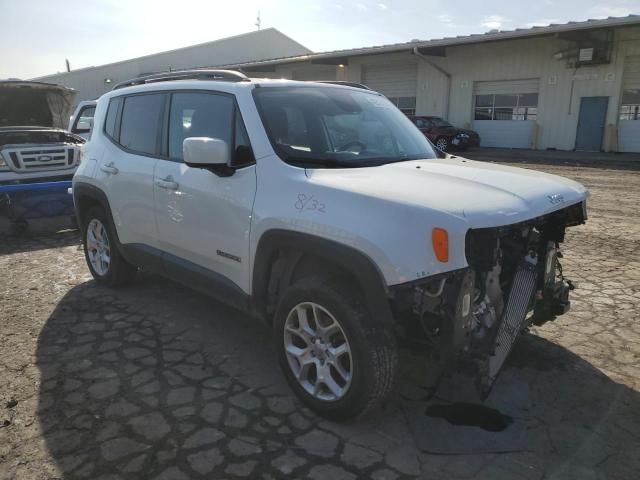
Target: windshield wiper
x=351, y=163
x=327, y=163
x=406, y=158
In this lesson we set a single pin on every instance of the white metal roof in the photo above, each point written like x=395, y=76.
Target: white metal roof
x=491, y=36
x=221, y=41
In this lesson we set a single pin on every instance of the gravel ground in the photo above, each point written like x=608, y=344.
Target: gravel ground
x=155, y=381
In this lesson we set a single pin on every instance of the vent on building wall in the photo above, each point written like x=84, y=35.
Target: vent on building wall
x=586, y=54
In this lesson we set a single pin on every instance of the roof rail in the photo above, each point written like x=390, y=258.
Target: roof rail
x=346, y=84
x=195, y=74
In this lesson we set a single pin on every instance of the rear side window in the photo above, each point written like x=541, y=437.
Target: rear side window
x=141, y=125
x=199, y=115
x=112, y=115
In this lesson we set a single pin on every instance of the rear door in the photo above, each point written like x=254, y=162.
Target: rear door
x=133, y=126
x=204, y=215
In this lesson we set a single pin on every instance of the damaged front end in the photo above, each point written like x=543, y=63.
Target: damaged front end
x=469, y=319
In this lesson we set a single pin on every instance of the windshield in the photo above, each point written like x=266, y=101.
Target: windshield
x=338, y=127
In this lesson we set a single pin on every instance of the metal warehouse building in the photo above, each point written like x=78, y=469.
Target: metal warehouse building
x=92, y=82
x=569, y=86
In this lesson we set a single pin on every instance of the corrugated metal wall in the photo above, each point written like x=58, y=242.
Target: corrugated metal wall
x=321, y=72
x=560, y=88
x=399, y=80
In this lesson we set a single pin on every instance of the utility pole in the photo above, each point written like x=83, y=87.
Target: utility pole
x=66, y=61
x=258, y=23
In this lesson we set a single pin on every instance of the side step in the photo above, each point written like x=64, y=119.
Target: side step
x=515, y=312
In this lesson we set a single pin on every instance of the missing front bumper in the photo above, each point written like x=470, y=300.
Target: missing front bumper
x=513, y=322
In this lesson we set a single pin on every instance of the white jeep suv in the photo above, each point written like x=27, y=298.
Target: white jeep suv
x=321, y=209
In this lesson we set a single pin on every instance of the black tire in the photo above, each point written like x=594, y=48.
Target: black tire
x=119, y=272
x=442, y=143
x=373, y=348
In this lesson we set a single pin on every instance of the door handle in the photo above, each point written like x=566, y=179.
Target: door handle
x=109, y=168
x=167, y=183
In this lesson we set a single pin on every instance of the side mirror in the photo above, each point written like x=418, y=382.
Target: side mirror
x=205, y=151
x=83, y=126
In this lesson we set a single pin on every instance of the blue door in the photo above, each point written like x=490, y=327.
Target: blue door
x=593, y=115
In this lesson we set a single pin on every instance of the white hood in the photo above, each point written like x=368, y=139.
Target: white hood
x=483, y=194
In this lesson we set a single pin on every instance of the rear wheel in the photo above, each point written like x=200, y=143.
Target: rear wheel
x=332, y=357
x=105, y=262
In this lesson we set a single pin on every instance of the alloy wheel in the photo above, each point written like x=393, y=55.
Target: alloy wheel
x=98, y=247
x=318, y=351
x=442, y=144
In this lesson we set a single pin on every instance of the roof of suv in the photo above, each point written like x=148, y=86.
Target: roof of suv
x=224, y=86
x=205, y=78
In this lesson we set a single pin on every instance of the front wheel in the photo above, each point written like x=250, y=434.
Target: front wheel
x=334, y=359
x=103, y=259
x=442, y=143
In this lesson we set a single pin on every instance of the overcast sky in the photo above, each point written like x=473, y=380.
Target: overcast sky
x=37, y=36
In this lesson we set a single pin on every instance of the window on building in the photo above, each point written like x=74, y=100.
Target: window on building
x=630, y=107
x=519, y=106
x=407, y=105
x=141, y=125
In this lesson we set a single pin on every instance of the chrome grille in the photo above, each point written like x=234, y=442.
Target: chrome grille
x=515, y=312
x=37, y=157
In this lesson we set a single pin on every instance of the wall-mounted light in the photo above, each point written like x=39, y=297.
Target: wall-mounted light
x=108, y=81
x=341, y=65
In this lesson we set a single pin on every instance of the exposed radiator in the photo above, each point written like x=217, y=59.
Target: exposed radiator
x=515, y=312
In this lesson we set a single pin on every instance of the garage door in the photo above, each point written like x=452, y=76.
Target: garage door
x=505, y=112
x=397, y=82
x=629, y=123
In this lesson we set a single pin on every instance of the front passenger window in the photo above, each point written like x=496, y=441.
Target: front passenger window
x=199, y=115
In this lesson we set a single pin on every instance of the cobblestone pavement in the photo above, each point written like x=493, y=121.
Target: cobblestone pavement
x=155, y=381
